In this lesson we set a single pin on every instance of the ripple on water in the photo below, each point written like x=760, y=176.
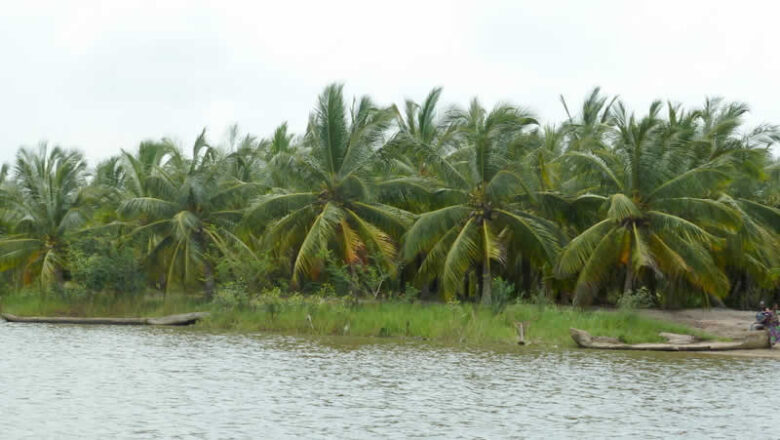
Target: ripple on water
x=146, y=383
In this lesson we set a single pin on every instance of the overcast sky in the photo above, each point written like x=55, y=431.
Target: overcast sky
x=101, y=76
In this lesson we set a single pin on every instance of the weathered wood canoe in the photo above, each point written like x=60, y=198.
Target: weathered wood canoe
x=753, y=340
x=181, y=319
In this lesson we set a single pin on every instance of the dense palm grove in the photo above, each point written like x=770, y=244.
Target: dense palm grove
x=469, y=204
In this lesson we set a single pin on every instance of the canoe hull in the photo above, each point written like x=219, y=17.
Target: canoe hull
x=754, y=340
x=181, y=319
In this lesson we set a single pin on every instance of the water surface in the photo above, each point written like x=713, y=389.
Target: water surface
x=84, y=382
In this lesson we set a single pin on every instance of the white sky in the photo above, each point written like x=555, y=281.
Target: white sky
x=103, y=75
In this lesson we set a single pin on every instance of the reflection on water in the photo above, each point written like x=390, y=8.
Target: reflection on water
x=136, y=382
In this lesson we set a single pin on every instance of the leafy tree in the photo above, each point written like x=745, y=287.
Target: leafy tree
x=185, y=212
x=590, y=129
x=680, y=202
x=479, y=223
x=333, y=208
x=659, y=219
x=99, y=265
x=42, y=205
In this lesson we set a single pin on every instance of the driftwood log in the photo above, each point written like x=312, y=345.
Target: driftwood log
x=181, y=319
x=753, y=340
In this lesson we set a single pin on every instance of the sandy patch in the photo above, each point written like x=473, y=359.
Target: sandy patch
x=725, y=323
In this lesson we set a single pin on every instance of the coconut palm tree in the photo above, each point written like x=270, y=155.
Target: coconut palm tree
x=659, y=218
x=423, y=139
x=42, y=206
x=184, y=210
x=141, y=176
x=479, y=223
x=590, y=129
x=417, y=155
x=282, y=156
x=333, y=208
x=243, y=156
x=750, y=254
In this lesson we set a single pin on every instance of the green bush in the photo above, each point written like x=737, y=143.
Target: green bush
x=636, y=299
x=232, y=295
x=410, y=294
x=254, y=274
x=502, y=292
x=100, y=266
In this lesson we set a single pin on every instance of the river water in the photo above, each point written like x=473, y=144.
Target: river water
x=84, y=382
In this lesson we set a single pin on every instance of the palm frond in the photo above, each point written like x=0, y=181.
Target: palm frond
x=577, y=253
x=317, y=237
x=272, y=206
x=429, y=228
x=533, y=236
x=622, y=208
x=463, y=253
x=150, y=206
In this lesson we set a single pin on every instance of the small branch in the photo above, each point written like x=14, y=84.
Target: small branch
x=379, y=287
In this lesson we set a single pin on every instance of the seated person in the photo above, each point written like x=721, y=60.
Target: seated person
x=768, y=320
x=760, y=317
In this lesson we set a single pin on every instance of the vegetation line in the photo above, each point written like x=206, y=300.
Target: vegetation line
x=673, y=207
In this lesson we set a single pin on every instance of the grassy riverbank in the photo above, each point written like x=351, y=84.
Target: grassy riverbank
x=442, y=323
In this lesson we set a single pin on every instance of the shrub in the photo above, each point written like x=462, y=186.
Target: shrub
x=254, y=274
x=98, y=265
x=502, y=292
x=636, y=299
x=231, y=295
x=410, y=293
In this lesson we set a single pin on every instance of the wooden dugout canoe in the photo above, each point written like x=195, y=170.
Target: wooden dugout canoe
x=753, y=340
x=181, y=319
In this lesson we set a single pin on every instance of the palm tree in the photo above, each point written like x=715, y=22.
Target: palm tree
x=282, y=158
x=140, y=171
x=659, y=217
x=423, y=139
x=750, y=254
x=588, y=130
x=184, y=209
x=332, y=208
x=479, y=223
x=417, y=155
x=42, y=205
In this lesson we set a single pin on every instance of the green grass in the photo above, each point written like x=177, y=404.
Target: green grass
x=34, y=304
x=465, y=324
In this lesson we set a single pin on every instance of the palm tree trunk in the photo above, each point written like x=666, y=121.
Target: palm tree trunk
x=353, y=288
x=525, y=271
x=210, y=284
x=425, y=289
x=486, y=283
x=629, y=283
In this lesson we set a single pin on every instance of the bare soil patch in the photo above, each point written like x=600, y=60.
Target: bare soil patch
x=724, y=323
